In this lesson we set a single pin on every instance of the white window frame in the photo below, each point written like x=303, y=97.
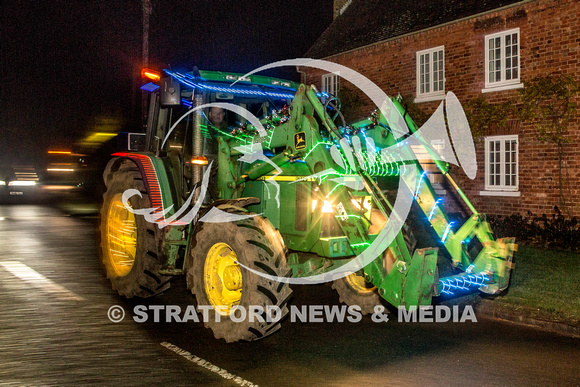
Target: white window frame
x=431, y=95
x=501, y=189
x=503, y=83
x=331, y=84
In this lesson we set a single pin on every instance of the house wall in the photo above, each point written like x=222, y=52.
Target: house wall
x=549, y=42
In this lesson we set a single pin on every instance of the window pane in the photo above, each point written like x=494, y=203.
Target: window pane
x=511, y=53
x=440, y=68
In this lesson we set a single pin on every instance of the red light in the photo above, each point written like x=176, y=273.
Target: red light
x=150, y=74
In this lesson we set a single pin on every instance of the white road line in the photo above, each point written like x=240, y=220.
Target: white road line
x=207, y=365
x=36, y=279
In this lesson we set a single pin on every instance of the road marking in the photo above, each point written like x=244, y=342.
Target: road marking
x=36, y=279
x=207, y=365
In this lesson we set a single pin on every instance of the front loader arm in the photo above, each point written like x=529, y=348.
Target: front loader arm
x=310, y=136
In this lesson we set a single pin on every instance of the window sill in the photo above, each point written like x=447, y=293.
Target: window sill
x=430, y=97
x=500, y=193
x=491, y=89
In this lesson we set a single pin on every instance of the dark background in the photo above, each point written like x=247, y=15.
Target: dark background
x=69, y=67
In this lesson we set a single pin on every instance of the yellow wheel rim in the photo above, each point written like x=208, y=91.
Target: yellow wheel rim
x=358, y=284
x=121, y=237
x=222, y=278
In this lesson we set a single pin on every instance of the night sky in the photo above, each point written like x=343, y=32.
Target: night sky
x=67, y=67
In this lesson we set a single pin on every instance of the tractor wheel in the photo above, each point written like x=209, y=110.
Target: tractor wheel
x=354, y=290
x=217, y=280
x=128, y=242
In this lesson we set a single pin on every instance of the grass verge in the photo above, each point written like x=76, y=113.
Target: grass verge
x=544, y=285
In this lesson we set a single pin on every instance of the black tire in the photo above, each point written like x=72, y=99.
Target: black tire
x=257, y=245
x=143, y=279
x=354, y=290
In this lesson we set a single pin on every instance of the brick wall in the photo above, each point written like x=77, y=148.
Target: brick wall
x=549, y=42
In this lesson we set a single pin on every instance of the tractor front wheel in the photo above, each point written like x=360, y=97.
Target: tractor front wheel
x=354, y=290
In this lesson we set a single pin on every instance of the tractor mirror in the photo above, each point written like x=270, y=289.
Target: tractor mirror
x=170, y=92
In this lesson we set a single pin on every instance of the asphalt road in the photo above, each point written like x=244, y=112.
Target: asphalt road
x=55, y=330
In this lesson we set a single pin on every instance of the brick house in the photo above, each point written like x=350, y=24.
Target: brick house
x=473, y=48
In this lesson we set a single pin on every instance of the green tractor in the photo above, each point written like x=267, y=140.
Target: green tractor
x=276, y=192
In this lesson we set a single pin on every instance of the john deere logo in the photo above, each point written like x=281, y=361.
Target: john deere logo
x=300, y=140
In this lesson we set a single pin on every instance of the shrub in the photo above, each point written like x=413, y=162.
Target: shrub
x=555, y=231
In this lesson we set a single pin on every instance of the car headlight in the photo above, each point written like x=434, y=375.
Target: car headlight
x=2, y=182
x=22, y=183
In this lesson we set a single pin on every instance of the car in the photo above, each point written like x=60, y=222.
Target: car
x=19, y=183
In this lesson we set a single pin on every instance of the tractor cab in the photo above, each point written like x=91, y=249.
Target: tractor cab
x=180, y=123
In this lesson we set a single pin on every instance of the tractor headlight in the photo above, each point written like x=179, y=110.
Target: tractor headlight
x=326, y=207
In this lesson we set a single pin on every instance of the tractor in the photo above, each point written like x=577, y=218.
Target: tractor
x=287, y=192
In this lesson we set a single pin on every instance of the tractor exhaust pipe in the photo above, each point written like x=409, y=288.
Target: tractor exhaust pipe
x=198, y=138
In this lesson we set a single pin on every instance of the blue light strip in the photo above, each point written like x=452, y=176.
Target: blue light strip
x=463, y=282
x=190, y=81
x=446, y=233
x=434, y=208
x=419, y=184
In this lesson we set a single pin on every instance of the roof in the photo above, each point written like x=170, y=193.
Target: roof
x=369, y=21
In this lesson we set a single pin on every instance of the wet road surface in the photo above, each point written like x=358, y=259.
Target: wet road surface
x=54, y=330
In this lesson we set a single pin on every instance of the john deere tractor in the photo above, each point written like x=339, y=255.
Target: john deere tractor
x=286, y=191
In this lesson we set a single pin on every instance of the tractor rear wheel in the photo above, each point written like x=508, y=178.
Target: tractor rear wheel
x=128, y=242
x=217, y=280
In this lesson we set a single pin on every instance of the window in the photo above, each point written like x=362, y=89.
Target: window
x=431, y=74
x=502, y=61
x=501, y=163
x=330, y=84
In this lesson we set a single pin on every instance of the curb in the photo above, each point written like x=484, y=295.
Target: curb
x=486, y=309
